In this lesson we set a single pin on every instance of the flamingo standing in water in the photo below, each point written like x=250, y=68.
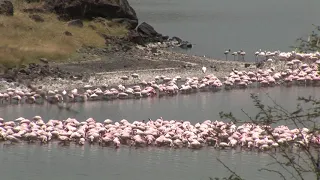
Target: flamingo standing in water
x=242, y=54
x=256, y=54
x=135, y=76
x=124, y=78
x=160, y=132
x=234, y=54
x=226, y=53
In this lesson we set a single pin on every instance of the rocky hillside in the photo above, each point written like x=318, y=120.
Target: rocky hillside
x=35, y=33
x=56, y=29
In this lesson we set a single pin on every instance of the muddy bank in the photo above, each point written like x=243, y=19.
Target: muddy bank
x=142, y=59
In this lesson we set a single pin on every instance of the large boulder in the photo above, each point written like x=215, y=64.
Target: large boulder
x=89, y=9
x=147, y=30
x=76, y=23
x=6, y=8
x=135, y=37
x=146, y=33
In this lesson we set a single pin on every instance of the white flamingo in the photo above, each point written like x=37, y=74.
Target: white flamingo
x=204, y=69
x=226, y=53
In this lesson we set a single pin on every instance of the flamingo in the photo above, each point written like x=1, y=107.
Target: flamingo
x=124, y=78
x=234, y=54
x=242, y=54
x=204, y=69
x=135, y=76
x=226, y=54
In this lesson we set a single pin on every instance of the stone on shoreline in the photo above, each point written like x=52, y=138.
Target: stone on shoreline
x=76, y=23
x=6, y=8
x=147, y=36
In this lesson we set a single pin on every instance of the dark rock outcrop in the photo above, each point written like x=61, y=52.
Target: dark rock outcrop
x=146, y=30
x=135, y=37
x=145, y=33
x=36, y=18
x=6, y=8
x=89, y=9
x=76, y=23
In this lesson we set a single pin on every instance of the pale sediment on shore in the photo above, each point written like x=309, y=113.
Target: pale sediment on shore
x=114, y=78
x=219, y=68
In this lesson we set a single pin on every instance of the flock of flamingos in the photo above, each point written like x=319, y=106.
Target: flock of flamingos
x=298, y=69
x=159, y=133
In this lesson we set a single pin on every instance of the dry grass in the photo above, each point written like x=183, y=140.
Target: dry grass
x=23, y=38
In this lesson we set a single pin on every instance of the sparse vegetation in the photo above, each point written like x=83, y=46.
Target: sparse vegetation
x=293, y=160
x=23, y=38
x=311, y=43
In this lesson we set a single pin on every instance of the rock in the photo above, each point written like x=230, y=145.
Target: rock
x=147, y=30
x=154, y=50
x=44, y=60
x=76, y=23
x=144, y=34
x=135, y=37
x=174, y=38
x=185, y=45
x=67, y=33
x=165, y=38
x=126, y=48
x=89, y=9
x=36, y=18
x=6, y=8
x=187, y=65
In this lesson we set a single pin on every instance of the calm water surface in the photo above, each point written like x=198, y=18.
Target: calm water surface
x=216, y=25
x=53, y=162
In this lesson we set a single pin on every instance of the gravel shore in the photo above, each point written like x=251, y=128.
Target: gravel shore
x=106, y=69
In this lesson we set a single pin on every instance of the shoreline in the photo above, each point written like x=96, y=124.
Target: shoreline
x=101, y=71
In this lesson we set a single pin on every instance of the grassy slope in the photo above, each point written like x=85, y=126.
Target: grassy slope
x=23, y=38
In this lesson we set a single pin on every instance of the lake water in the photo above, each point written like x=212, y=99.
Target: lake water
x=217, y=25
x=53, y=162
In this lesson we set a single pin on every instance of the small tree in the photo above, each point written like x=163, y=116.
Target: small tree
x=293, y=162
x=311, y=44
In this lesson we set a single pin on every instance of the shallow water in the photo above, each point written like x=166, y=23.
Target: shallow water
x=216, y=25
x=53, y=162
x=194, y=107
